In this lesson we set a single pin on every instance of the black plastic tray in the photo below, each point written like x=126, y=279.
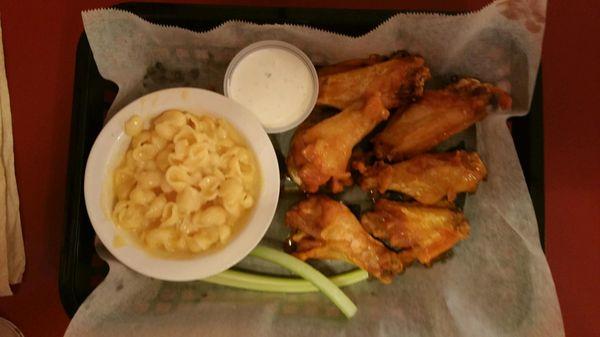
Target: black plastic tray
x=81, y=270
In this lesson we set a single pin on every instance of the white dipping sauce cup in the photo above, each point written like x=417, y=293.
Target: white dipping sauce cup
x=274, y=80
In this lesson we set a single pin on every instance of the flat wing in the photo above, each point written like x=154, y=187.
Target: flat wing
x=326, y=229
x=398, y=79
x=320, y=154
x=435, y=117
x=424, y=232
x=351, y=65
x=427, y=178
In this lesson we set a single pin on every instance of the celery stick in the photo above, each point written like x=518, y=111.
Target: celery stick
x=335, y=294
x=244, y=280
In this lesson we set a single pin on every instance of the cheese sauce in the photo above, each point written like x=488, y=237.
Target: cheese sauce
x=275, y=84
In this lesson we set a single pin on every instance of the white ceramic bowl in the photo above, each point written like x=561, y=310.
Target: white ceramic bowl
x=113, y=142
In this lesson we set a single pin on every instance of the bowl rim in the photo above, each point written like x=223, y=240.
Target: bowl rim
x=264, y=44
x=104, y=155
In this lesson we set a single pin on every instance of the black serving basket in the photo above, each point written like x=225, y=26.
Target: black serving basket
x=81, y=270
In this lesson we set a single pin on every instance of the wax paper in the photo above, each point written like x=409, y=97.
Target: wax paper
x=496, y=283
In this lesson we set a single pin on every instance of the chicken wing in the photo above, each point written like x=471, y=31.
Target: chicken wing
x=436, y=116
x=424, y=232
x=351, y=65
x=320, y=153
x=428, y=178
x=326, y=229
x=399, y=80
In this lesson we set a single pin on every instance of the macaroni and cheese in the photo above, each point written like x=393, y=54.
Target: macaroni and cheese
x=185, y=184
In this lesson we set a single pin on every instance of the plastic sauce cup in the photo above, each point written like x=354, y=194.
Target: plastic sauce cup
x=274, y=80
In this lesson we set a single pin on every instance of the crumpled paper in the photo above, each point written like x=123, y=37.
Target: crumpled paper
x=496, y=283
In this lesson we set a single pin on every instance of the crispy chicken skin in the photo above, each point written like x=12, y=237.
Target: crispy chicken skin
x=428, y=178
x=435, y=117
x=325, y=229
x=399, y=80
x=423, y=232
x=320, y=153
x=351, y=65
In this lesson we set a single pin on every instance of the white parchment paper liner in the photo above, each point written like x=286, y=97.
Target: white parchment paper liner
x=497, y=283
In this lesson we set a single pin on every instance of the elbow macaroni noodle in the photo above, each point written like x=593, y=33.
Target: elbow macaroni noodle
x=185, y=184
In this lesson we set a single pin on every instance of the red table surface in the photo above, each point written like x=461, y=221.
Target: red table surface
x=40, y=39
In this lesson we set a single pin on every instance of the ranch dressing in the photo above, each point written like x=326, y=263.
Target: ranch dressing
x=276, y=84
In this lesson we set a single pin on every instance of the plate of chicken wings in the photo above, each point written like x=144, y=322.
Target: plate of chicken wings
x=381, y=136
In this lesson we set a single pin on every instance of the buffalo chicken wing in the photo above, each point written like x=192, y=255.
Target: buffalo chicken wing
x=325, y=229
x=435, y=117
x=422, y=232
x=398, y=79
x=320, y=153
x=428, y=178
